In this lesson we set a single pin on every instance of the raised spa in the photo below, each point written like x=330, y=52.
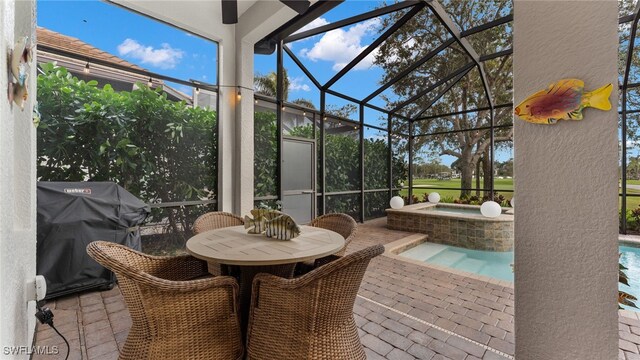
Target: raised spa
x=457, y=225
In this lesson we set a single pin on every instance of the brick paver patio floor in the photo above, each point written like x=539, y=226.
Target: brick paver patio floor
x=403, y=311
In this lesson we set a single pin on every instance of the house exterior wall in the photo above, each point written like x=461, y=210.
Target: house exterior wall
x=566, y=224
x=17, y=191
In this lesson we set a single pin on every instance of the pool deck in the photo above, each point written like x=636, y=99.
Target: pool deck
x=404, y=310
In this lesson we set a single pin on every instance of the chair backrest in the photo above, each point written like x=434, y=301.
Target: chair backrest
x=343, y=224
x=164, y=305
x=216, y=220
x=339, y=282
x=120, y=259
x=330, y=290
x=131, y=268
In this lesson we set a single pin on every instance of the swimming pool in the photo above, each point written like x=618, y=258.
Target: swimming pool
x=630, y=257
x=497, y=265
x=493, y=264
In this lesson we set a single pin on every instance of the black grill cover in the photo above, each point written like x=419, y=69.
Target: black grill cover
x=73, y=214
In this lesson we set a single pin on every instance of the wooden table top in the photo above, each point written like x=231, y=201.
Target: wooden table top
x=233, y=246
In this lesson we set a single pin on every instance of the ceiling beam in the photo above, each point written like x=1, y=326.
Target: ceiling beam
x=350, y=21
x=268, y=44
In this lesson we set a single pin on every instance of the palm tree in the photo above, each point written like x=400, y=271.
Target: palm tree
x=305, y=103
x=268, y=84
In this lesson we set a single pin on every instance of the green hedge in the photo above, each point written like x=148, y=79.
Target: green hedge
x=159, y=150
x=342, y=162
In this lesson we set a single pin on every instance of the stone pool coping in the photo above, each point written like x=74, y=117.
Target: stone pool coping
x=393, y=249
x=471, y=231
x=419, y=209
x=629, y=240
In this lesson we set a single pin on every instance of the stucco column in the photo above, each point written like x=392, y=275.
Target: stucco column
x=17, y=188
x=227, y=124
x=566, y=182
x=244, y=124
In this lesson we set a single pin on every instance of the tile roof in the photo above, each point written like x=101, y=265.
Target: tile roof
x=67, y=43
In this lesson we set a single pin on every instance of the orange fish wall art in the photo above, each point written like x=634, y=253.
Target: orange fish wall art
x=563, y=100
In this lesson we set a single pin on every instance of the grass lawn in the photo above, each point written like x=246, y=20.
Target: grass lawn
x=632, y=201
x=425, y=186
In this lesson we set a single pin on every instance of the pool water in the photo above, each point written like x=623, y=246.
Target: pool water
x=630, y=257
x=497, y=265
x=452, y=210
x=488, y=263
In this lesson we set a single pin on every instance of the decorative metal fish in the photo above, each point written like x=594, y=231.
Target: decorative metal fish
x=19, y=94
x=282, y=227
x=563, y=100
x=260, y=216
x=20, y=59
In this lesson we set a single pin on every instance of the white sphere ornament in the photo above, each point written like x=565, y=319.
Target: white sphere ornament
x=396, y=202
x=491, y=209
x=434, y=197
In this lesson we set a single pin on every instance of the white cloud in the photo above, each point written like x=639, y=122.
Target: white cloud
x=165, y=57
x=317, y=22
x=340, y=46
x=297, y=83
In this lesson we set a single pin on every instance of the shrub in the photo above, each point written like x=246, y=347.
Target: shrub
x=157, y=149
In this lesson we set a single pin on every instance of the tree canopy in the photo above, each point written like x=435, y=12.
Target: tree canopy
x=424, y=33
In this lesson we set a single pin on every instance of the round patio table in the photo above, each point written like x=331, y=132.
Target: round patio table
x=245, y=255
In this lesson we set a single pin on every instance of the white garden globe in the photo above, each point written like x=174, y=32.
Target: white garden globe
x=491, y=209
x=396, y=202
x=434, y=197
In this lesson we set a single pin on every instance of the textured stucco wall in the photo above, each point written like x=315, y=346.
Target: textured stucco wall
x=566, y=183
x=17, y=190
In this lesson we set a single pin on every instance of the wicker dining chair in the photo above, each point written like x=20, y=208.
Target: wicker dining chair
x=343, y=224
x=173, y=317
x=216, y=220
x=309, y=317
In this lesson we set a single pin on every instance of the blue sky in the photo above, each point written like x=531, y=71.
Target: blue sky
x=163, y=49
x=153, y=45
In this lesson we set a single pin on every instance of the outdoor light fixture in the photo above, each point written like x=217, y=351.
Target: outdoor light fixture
x=150, y=82
x=396, y=202
x=513, y=202
x=282, y=108
x=86, y=69
x=304, y=113
x=239, y=95
x=256, y=101
x=491, y=209
x=434, y=197
x=197, y=90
